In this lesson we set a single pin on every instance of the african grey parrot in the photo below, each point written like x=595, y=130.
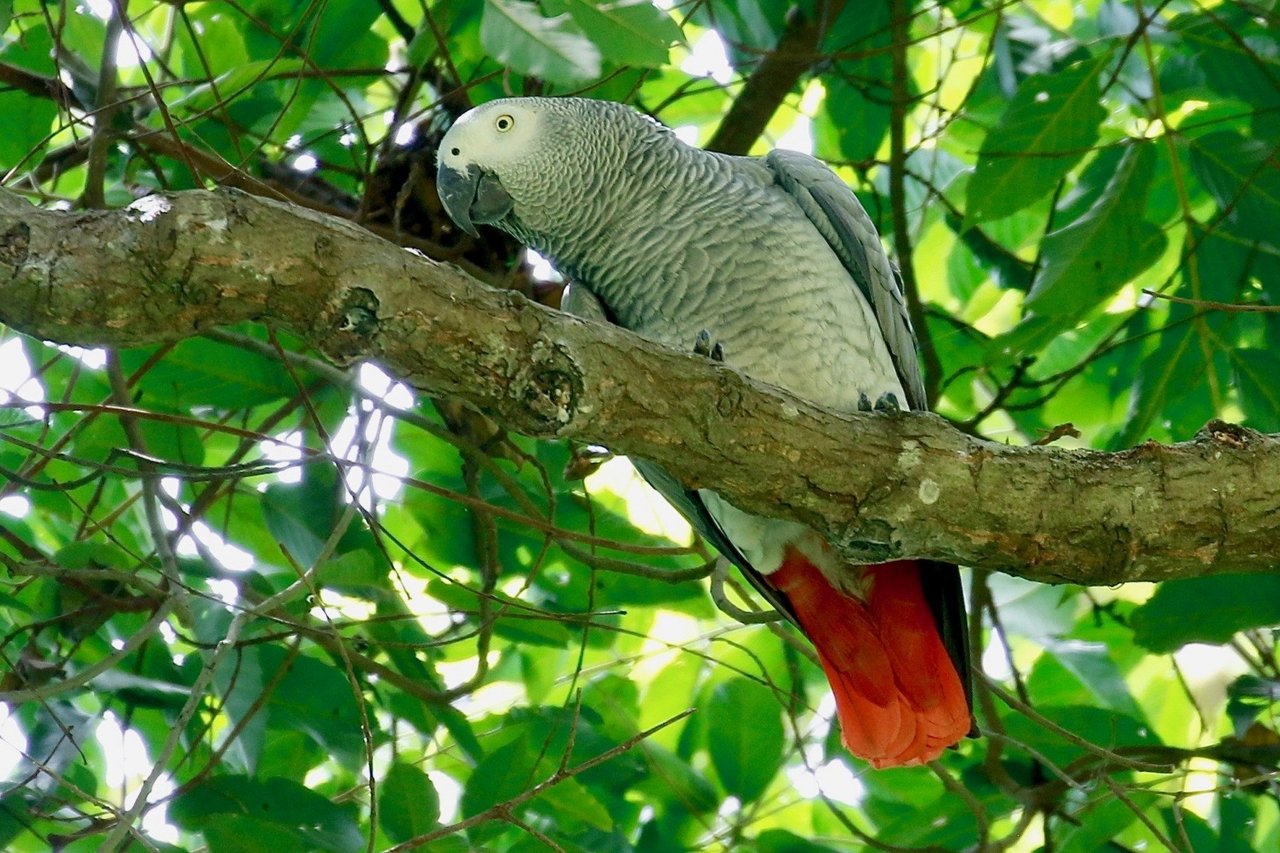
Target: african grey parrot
x=774, y=258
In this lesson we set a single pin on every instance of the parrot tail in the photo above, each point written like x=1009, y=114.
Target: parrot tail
x=899, y=698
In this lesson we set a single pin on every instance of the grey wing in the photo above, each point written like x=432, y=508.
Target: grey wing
x=581, y=302
x=838, y=215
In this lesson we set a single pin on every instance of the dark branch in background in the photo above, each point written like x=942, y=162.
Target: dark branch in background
x=773, y=79
x=879, y=487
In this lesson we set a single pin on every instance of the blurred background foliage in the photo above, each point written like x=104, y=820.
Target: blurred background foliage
x=253, y=601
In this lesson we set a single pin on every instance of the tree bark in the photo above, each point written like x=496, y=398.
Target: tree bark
x=879, y=486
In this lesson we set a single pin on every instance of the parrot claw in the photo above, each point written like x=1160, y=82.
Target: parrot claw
x=864, y=402
x=888, y=402
x=703, y=346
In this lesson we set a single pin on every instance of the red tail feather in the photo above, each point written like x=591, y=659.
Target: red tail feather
x=898, y=695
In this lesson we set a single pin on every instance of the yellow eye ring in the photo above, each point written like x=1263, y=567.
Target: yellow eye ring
x=504, y=123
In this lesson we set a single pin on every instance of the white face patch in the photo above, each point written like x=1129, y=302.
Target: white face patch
x=491, y=135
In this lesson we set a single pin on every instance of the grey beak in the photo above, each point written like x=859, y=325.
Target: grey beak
x=472, y=197
x=457, y=191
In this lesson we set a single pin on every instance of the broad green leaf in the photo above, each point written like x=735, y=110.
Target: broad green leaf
x=1098, y=725
x=853, y=121
x=288, y=807
x=748, y=27
x=297, y=516
x=1257, y=374
x=503, y=774
x=854, y=117
x=1218, y=607
x=674, y=782
x=1084, y=262
x=627, y=32
x=1091, y=666
x=164, y=439
x=408, y=804
x=517, y=35
x=342, y=35
x=28, y=122
x=1047, y=129
x=1243, y=177
x=782, y=841
x=14, y=807
x=235, y=83
x=1103, y=821
x=315, y=697
x=1234, y=52
x=201, y=372
x=142, y=692
x=744, y=736
x=572, y=799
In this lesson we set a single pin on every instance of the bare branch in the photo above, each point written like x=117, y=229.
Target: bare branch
x=879, y=486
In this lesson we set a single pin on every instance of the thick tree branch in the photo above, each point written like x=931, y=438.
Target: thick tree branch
x=879, y=486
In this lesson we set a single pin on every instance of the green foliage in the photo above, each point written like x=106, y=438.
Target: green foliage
x=393, y=624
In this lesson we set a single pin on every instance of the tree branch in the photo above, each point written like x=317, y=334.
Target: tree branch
x=879, y=486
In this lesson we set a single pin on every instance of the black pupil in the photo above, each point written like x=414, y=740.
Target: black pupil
x=456, y=152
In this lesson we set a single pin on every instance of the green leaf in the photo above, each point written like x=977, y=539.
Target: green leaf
x=141, y=691
x=201, y=372
x=234, y=83
x=316, y=698
x=1091, y=666
x=782, y=841
x=283, y=804
x=1087, y=260
x=1206, y=610
x=408, y=804
x=744, y=736
x=853, y=120
x=301, y=516
x=27, y=124
x=503, y=774
x=1176, y=370
x=675, y=783
x=1047, y=129
x=1258, y=378
x=554, y=49
x=628, y=32
x=572, y=799
x=1241, y=175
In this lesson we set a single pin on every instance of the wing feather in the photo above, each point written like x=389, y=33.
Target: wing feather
x=838, y=215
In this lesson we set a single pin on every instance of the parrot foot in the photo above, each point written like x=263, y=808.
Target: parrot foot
x=886, y=403
x=703, y=346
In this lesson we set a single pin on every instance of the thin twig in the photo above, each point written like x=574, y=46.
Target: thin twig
x=1210, y=305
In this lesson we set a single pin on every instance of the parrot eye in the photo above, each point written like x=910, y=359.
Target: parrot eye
x=504, y=123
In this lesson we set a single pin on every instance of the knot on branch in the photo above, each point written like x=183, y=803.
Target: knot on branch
x=355, y=322
x=551, y=388
x=15, y=245
x=1232, y=435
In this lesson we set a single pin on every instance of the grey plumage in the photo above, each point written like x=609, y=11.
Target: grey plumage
x=774, y=256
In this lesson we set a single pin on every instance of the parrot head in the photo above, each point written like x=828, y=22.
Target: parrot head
x=531, y=166
x=487, y=144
